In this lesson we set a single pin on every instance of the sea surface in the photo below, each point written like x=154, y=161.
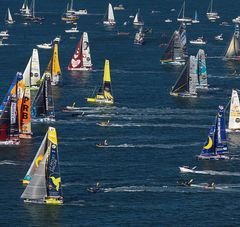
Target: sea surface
x=151, y=135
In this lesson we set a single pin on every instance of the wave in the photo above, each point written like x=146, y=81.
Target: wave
x=214, y=173
x=158, y=125
x=9, y=162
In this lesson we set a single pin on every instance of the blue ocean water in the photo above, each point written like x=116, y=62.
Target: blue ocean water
x=152, y=133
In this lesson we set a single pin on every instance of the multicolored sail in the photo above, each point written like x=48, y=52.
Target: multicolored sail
x=176, y=50
x=45, y=182
x=201, y=68
x=216, y=146
x=81, y=60
x=104, y=95
x=43, y=105
x=53, y=69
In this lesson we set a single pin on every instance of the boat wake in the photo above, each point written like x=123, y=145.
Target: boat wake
x=214, y=173
x=158, y=125
x=8, y=162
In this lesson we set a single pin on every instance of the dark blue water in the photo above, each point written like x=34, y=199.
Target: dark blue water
x=152, y=134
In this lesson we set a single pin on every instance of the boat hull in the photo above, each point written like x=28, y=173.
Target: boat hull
x=100, y=101
x=163, y=62
x=110, y=23
x=138, y=23
x=185, y=170
x=83, y=69
x=229, y=130
x=213, y=157
x=184, y=95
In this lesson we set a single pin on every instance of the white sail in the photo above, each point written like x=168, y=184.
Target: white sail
x=9, y=16
x=136, y=20
x=193, y=79
x=37, y=190
x=110, y=13
x=234, y=115
x=87, y=62
x=26, y=74
x=27, y=10
x=233, y=48
x=35, y=68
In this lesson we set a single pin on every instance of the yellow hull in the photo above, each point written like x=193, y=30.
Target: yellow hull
x=53, y=201
x=25, y=182
x=100, y=101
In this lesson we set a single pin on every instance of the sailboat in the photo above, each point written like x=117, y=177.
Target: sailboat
x=137, y=19
x=186, y=83
x=53, y=69
x=104, y=95
x=9, y=19
x=175, y=52
x=211, y=15
x=109, y=18
x=201, y=69
x=81, y=60
x=216, y=147
x=195, y=21
x=43, y=105
x=181, y=15
x=233, y=50
x=32, y=16
x=10, y=112
x=44, y=174
x=234, y=115
x=31, y=75
x=139, y=37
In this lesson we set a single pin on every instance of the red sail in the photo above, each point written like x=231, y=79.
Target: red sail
x=77, y=58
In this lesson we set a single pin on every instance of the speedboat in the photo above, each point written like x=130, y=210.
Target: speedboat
x=94, y=189
x=186, y=169
x=4, y=33
x=184, y=183
x=198, y=41
x=45, y=46
x=119, y=7
x=168, y=21
x=72, y=30
x=219, y=37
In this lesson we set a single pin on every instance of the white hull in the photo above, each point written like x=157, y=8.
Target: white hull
x=84, y=69
x=197, y=42
x=173, y=63
x=195, y=21
x=186, y=170
x=138, y=23
x=81, y=12
x=233, y=130
x=184, y=19
x=213, y=157
x=71, y=31
x=111, y=23
x=44, y=46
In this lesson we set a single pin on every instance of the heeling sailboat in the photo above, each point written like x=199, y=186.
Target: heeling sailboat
x=181, y=15
x=109, y=18
x=45, y=180
x=233, y=50
x=216, y=147
x=9, y=19
x=104, y=95
x=186, y=83
x=201, y=68
x=175, y=52
x=137, y=19
x=10, y=112
x=53, y=69
x=234, y=115
x=81, y=60
x=43, y=105
x=31, y=73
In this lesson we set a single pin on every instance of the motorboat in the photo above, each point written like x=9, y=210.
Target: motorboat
x=103, y=123
x=168, y=21
x=219, y=37
x=187, y=169
x=81, y=12
x=46, y=46
x=198, y=41
x=72, y=30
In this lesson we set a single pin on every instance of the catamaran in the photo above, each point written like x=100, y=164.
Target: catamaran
x=234, y=115
x=53, y=69
x=181, y=15
x=43, y=105
x=233, y=50
x=186, y=83
x=109, y=17
x=201, y=69
x=81, y=60
x=195, y=21
x=216, y=147
x=31, y=75
x=10, y=112
x=9, y=19
x=175, y=52
x=104, y=95
x=44, y=174
x=211, y=15
x=137, y=19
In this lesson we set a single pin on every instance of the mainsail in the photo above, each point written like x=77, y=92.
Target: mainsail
x=53, y=69
x=31, y=75
x=109, y=17
x=216, y=144
x=201, y=69
x=45, y=180
x=9, y=18
x=175, y=52
x=137, y=19
x=234, y=115
x=233, y=50
x=43, y=105
x=81, y=60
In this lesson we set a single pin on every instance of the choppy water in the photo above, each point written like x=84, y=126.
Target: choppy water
x=151, y=135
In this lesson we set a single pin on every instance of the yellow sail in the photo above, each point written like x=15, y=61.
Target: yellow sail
x=106, y=77
x=56, y=70
x=52, y=135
